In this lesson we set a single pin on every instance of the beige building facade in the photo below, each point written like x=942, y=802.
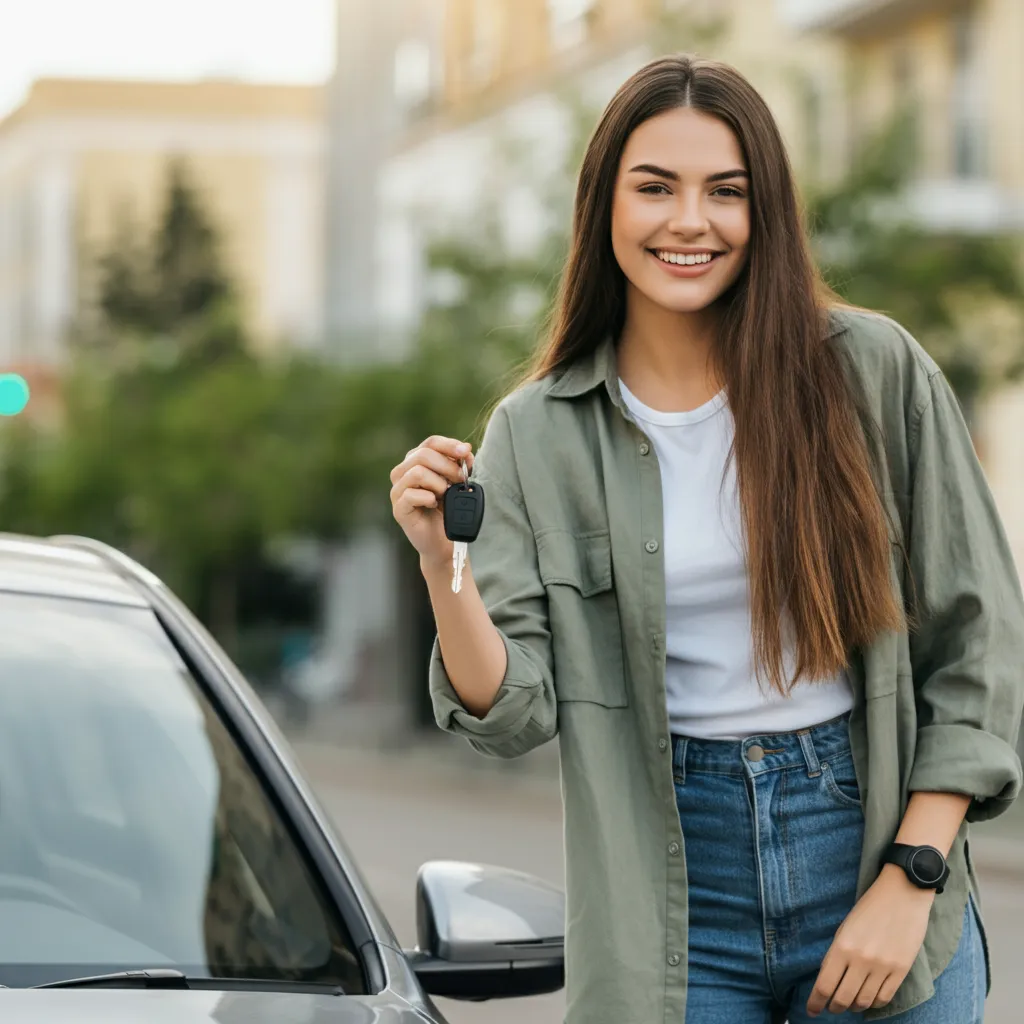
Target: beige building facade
x=960, y=63
x=498, y=81
x=79, y=159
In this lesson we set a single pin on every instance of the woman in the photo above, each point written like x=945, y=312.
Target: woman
x=739, y=555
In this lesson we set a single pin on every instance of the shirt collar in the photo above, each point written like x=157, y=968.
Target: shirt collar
x=589, y=371
x=600, y=366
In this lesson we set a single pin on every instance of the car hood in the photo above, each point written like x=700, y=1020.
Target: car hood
x=129, y=1006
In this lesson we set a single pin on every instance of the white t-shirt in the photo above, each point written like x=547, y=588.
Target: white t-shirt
x=712, y=691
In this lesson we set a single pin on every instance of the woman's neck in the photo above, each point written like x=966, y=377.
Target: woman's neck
x=665, y=358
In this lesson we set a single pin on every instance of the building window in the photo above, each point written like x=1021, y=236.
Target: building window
x=570, y=22
x=413, y=83
x=967, y=99
x=903, y=71
x=906, y=104
x=486, y=46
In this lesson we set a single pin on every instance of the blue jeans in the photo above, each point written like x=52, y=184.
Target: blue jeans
x=772, y=853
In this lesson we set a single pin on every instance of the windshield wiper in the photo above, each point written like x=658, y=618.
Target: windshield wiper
x=169, y=977
x=155, y=977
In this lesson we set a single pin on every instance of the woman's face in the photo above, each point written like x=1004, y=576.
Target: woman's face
x=681, y=210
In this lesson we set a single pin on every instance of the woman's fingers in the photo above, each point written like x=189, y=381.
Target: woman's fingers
x=411, y=499
x=435, y=457
x=421, y=478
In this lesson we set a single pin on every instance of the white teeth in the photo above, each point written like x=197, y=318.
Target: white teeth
x=684, y=259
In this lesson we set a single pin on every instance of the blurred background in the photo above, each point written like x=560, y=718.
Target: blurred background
x=252, y=252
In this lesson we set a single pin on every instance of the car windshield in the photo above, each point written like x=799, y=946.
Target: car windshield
x=133, y=831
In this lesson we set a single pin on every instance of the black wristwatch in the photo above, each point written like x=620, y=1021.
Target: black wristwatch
x=924, y=865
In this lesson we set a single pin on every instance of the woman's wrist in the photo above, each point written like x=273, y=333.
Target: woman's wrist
x=432, y=567
x=894, y=878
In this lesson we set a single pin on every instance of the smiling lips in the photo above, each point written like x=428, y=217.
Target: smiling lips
x=685, y=264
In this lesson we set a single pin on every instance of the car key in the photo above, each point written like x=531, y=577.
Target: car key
x=463, y=514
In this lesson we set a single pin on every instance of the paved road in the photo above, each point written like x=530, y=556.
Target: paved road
x=397, y=811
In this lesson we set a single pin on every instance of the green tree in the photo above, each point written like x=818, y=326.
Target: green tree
x=166, y=301
x=961, y=294
x=176, y=444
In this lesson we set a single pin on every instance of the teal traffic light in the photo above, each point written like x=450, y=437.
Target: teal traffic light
x=14, y=394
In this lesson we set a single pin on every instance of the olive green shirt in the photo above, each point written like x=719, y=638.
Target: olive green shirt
x=569, y=565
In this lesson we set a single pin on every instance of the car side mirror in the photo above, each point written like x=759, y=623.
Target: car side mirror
x=487, y=932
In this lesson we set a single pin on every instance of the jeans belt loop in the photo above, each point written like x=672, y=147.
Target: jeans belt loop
x=679, y=759
x=810, y=754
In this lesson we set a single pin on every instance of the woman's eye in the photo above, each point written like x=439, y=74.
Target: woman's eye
x=728, y=191
x=653, y=189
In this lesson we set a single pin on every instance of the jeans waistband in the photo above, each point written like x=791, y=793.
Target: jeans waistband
x=764, y=753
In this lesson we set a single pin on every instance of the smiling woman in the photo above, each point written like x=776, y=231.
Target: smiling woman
x=711, y=505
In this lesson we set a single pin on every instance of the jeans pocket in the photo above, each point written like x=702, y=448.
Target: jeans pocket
x=841, y=780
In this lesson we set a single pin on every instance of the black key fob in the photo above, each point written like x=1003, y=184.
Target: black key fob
x=463, y=511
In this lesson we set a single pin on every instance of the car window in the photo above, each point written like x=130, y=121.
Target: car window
x=133, y=831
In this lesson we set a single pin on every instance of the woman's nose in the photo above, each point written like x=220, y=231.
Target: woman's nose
x=688, y=217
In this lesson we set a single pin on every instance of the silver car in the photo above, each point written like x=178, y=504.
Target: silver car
x=161, y=856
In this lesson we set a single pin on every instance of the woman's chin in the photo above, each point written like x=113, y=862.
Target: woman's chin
x=679, y=301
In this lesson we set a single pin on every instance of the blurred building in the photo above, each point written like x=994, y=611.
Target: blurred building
x=388, y=72
x=506, y=67
x=388, y=65
x=82, y=159
x=959, y=66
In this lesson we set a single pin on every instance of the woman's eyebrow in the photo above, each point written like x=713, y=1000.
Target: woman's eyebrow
x=725, y=175
x=661, y=172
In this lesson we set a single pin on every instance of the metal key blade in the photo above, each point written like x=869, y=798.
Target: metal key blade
x=458, y=561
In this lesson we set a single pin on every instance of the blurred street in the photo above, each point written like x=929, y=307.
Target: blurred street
x=398, y=808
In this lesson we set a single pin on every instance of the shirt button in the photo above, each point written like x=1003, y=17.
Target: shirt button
x=663, y=743
x=673, y=959
x=645, y=448
x=673, y=848
x=651, y=546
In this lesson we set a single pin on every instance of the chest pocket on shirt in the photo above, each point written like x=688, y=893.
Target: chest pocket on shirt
x=586, y=639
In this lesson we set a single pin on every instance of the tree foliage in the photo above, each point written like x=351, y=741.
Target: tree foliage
x=175, y=444
x=961, y=294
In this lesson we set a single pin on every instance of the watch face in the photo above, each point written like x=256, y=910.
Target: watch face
x=927, y=865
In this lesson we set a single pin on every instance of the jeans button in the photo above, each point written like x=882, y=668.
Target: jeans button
x=755, y=753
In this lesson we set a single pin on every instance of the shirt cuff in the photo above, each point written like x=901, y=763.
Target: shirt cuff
x=509, y=726
x=969, y=761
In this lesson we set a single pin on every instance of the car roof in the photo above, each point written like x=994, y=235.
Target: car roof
x=70, y=567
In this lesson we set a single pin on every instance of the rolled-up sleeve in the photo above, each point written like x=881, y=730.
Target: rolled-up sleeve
x=967, y=644
x=504, y=567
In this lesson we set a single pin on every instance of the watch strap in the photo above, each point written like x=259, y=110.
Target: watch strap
x=901, y=854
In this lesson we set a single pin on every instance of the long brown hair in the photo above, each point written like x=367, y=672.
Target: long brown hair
x=817, y=541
